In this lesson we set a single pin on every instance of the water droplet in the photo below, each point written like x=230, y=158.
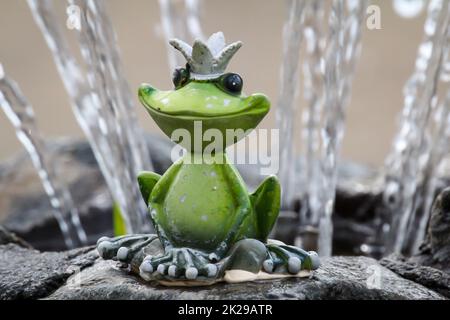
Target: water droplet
x=365, y=248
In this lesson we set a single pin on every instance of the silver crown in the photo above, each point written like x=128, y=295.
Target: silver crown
x=207, y=60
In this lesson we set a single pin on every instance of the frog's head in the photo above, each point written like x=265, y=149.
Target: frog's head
x=204, y=96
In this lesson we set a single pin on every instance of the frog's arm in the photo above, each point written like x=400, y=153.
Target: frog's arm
x=147, y=181
x=243, y=210
x=157, y=195
x=161, y=189
x=266, y=203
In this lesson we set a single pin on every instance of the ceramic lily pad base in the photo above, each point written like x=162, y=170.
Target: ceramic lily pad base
x=234, y=276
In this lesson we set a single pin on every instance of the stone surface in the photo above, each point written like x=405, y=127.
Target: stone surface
x=81, y=274
x=9, y=237
x=429, y=277
x=435, y=251
x=338, y=278
x=30, y=274
x=431, y=267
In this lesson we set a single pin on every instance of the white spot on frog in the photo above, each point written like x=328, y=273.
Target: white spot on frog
x=214, y=188
x=226, y=102
x=209, y=106
x=213, y=174
x=165, y=101
x=182, y=198
x=204, y=217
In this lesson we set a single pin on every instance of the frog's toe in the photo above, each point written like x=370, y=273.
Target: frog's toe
x=206, y=267
x=274, y=262
x=189, y=262
x=309, y=259
x=161, y=269
x=146, y=267
x=268, y=265
x=294, y=265
x=105, y=249
x=191, y=273
x=151, y=265
x=283, y=258
x=122, y=253
x=208, y=270
x=123, y=248
x=102, y=239
x=315, y=261
x=172, y=271
x=211, y=270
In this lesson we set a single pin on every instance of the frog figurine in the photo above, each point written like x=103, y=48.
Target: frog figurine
x=206, y=221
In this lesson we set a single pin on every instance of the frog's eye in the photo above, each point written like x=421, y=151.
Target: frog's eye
x=180, y=77
x=232, y=82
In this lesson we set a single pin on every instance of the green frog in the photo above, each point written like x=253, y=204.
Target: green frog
x=205, y=219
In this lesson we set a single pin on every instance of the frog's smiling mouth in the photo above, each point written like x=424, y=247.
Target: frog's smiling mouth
x=202, y=103
x=255, y=107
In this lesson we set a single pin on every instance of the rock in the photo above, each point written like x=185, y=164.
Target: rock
x=81, y=274
x=435, y=250
x=338, y=278
x=432, y=278
x=431, y=267
x=30, y=274
x=8, y=237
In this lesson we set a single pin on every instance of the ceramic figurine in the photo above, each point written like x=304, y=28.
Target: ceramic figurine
x=206, y=221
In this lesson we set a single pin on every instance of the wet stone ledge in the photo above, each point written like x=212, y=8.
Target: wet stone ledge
x=80, y=274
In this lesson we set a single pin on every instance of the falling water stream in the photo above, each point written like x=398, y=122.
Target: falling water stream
x=328, y=68
x=287, y=110
x=180, y=19
x=314, y=94
x=417, y=148
x=21, y=114
x=101, y=102
x=341, y=54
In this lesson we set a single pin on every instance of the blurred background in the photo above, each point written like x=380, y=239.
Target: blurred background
x=386, y=62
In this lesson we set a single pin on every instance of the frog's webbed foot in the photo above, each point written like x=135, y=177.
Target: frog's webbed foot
x=128, y=249
x=178, y=263
x=284, y=258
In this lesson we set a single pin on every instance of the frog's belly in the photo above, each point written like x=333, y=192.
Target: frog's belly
x=199, y=208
